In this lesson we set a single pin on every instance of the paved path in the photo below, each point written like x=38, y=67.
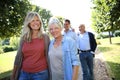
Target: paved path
x=101, y=69
x=101, y=72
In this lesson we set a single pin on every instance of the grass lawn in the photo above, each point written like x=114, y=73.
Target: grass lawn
x=6, y=63
x=111, y=53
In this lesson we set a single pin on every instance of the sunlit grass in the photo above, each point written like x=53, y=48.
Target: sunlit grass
x=111, y=53
x=6, y=63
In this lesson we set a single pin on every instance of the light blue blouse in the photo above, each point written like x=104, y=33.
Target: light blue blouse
x=70, y=58
x=71, y=34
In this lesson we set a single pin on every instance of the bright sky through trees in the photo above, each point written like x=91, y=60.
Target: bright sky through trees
x=78, y=11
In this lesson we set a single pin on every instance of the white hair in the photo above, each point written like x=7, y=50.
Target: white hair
x=54, y=20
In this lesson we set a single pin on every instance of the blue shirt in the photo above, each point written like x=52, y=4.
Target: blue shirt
x=71, y=34
x=69, y=50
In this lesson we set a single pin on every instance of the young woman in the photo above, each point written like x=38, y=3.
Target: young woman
x=31, y=59
x=64, y=63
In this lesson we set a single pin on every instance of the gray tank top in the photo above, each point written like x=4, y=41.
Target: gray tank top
x=56, y=63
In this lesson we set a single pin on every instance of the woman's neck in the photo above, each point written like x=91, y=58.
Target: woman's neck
x=58, y=38
x=58, y=41
x=34, y=33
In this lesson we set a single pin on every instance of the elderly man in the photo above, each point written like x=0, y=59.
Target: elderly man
x=87, y=45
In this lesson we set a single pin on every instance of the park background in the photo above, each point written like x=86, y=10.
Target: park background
x=100, y=17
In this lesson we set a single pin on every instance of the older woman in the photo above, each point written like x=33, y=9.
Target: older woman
x=64, y=63
x=31, y=59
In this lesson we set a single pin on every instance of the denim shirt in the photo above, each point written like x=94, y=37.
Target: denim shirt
x=71, y=34
x=70, y=58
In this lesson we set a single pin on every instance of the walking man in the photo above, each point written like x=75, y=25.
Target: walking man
x=86, y=45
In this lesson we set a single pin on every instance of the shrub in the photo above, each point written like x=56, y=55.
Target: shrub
x=8, y=48
x=101, y=36
x=117, y=33
x=98, y=36
x=105, y=36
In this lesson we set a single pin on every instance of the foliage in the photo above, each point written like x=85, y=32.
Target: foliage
x=101, y=36
x=115, y=15
x=14, y=41
x=61, y=19
x=102, y=15
x=8, y=48
x=117, y=33
x=12, y=13
x=104, y=35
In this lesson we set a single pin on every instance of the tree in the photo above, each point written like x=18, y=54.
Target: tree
x=102, y=15
x=45, y=14
x=115, y=15
x=61, y=19
x=12, y=13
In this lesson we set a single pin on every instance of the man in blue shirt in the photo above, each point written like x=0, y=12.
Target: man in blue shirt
x=69, y=32
x=87, y=45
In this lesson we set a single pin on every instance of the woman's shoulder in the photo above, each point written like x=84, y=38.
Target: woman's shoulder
x=45, y=35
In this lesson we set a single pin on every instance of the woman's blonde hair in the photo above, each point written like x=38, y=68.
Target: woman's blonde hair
x=27, y=32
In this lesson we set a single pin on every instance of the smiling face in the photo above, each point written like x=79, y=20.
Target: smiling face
x=82, y=28
x=35, y=23
x=55, y=30
x=66, y=25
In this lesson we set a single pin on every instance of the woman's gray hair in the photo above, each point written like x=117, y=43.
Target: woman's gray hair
x=54, y=20
x=27, y=32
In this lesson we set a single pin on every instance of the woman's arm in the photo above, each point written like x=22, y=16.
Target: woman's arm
x=74, y=59
x=18, y=61
x=75, y=72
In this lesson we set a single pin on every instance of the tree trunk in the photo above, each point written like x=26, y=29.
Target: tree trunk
x=110, y=37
